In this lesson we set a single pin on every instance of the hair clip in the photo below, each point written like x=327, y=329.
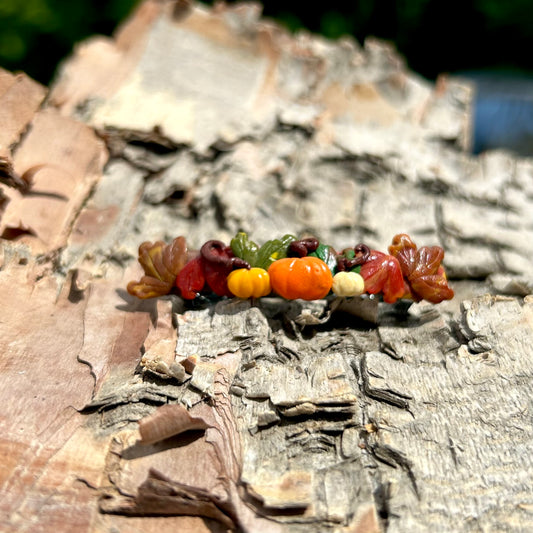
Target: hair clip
x=293, y=269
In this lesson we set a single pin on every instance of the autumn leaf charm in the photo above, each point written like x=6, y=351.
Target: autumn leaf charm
x=421, y=267
x=382, y=273
x=161, y=264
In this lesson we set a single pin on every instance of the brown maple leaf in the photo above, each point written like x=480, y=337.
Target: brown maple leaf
x=161, y=263
x=421, y=269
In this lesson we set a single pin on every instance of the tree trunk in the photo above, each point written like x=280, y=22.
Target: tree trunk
x=295, y=416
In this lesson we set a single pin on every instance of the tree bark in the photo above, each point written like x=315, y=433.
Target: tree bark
x=300, y=416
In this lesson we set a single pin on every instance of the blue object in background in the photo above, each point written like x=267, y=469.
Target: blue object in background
x=503, y=112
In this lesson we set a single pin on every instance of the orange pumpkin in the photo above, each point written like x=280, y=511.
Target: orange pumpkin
x=308, y=278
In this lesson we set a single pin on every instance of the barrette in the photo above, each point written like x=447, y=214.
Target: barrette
x=292, y=268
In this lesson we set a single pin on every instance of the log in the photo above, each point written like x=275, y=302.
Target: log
x=284, y=415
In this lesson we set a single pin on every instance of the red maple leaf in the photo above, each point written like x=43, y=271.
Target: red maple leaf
x=191, y=279
x=382, y=273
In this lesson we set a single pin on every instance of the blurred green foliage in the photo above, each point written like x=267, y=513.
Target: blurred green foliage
x=37, y=34
x=434, y=36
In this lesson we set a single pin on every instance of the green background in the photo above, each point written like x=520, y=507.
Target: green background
x=434, y=36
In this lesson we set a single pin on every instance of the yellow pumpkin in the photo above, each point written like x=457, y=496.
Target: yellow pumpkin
x=248, y=283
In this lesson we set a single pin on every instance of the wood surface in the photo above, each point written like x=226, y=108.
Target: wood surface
x=264, y=416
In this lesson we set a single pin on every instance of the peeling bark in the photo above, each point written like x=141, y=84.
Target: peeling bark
x=341, y=415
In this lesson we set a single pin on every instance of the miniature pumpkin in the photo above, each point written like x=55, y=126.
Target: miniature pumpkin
x=348, y=284
x=247, y=283
x=308, y=278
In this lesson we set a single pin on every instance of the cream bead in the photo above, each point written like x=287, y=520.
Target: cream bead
x=348, y=284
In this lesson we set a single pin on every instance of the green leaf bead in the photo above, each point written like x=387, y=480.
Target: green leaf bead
x=349, y=253
x=273, y=250
x=327, y=254
x=244, y=248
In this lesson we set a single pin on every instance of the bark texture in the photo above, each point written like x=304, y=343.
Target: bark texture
x=283, y=416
